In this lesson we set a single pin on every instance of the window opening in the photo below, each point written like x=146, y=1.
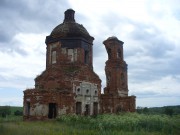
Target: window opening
x=95, y=109
x=95, y=92
x=109, y=53
x=78, y=108
x=72, y=54
x=119, y=53
x=28, y=108
x=86, y=57
x=53, y=57
x=78, y=90
x=87, y=111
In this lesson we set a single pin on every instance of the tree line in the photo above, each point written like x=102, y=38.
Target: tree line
x=8, y=110
x=168, y=110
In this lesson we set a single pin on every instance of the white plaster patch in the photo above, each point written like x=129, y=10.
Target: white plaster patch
x=39, y=110
x=62, y=111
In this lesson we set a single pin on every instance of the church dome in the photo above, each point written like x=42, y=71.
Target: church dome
x=69, y=28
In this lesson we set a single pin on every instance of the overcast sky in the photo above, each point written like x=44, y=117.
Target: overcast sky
x=150, y=30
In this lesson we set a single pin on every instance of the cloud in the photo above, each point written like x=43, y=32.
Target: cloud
x=24, y=26
x=167, y=86
x=157, y=101
x=30, y=16
x=19, y=70
x=154, y=61
x=150, y=31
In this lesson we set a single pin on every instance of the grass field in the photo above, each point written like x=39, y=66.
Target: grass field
x=122, y=124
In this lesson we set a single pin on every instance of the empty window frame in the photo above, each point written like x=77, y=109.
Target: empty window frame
x=118, y=53
x=86, y=57
x=78, y=108
x=53, y=57
x=95, y=108
x=52, y=47
x=28, y=108
x=72, y=54
x=109, y=53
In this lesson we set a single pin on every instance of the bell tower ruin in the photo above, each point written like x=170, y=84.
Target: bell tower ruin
x=116, y=68
x=115, y=98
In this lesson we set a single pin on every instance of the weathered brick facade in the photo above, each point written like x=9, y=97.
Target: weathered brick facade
x=69, y=85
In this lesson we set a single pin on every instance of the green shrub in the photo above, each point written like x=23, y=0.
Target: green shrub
x=4, y=111
x=169, y=111
x=18, y=113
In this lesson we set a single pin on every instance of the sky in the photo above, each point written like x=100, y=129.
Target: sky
x=150, y=30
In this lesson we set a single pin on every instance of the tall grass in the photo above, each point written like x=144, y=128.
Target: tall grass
x=132, y=122
x=11, y=118
x=122, y=124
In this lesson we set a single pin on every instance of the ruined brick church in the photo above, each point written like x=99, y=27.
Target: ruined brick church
x=69, y=85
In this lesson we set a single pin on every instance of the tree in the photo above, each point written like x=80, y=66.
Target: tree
x=139, y=109
x=169, y=111
x=18, y=113
x=145, y=110
x=5, y=110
